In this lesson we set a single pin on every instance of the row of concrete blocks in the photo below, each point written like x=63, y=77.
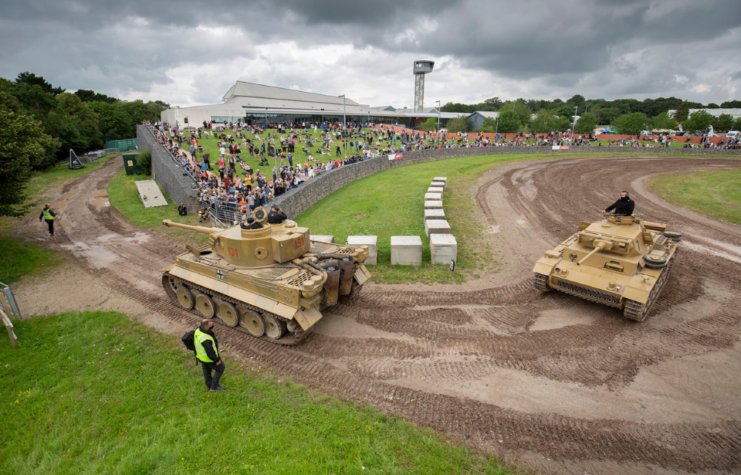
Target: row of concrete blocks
x=443, y=245
x=407, y=250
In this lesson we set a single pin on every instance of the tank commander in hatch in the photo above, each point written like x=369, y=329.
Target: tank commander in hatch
x=623, y=206
x=249, y=223
x=276, y=215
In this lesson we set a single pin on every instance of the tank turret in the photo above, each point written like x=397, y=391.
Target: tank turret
x=267, y=281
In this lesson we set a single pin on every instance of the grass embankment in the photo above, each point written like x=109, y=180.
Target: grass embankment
x=123, y=195
x=96, y=393
x=716, y=193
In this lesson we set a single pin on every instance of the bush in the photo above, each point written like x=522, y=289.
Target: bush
x=144, y=162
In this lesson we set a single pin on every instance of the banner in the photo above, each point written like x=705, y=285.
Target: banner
x=560, y=147
x=396, y=156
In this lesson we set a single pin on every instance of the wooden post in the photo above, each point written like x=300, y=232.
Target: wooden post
x=9, y=327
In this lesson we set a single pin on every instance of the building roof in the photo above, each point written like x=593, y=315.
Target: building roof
x=260, y=91
x=485, y=114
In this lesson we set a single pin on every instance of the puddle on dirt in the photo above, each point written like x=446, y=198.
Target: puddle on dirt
x=65, y=224
x=101, y=202
x=59, y=205
x=97, y=256
x=345, y=327
x=99, y=193
x=68, y=195
x=560, y=318
x=712, y=252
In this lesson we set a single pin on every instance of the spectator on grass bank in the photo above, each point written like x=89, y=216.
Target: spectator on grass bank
x=207, y=352
x=182, y=210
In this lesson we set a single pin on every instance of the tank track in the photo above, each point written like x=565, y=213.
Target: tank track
x=286, y=340
x=637, y=311
x=540, y=282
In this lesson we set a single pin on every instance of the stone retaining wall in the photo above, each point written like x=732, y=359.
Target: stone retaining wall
x=167, y=172
x=298, y=200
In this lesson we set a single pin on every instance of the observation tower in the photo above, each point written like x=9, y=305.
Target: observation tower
x=421, y=67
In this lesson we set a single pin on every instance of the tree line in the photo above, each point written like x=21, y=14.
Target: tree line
x=627, y=116
x=40, y=123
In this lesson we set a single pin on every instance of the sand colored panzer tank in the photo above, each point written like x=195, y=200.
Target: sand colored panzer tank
x=271, y=282
x=621, y=262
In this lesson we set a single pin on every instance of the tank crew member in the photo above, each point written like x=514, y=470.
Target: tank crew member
x=48, y=215
x=250, y=223
x=207, y=352
x=276, y=215
x=623, y=207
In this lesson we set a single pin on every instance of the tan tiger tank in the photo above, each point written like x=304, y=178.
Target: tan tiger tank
x=271, y=283
x=620, y=261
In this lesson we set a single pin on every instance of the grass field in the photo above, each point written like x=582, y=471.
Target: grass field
x=18, y=259
x=124, y=196
x=716, y=193
x=95, y=393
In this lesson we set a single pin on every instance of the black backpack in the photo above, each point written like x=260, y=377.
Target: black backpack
x=190, y=342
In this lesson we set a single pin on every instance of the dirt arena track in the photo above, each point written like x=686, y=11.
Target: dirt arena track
x=549, y=382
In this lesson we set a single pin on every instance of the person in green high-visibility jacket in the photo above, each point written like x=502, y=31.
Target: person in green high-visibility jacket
x=48, y=215
x=207, y=352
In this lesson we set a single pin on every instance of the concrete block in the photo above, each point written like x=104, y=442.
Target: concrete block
x=371, y=242
x=436, y=226
x=435, y=213
x=433, y=196
x=440, y=184
x=433, y=204
x=322, y=238
x=436, y=189
x=443, y=248
x=443, y=179
x=406, y=250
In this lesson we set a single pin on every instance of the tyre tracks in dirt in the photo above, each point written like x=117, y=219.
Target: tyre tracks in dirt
x=425, y=355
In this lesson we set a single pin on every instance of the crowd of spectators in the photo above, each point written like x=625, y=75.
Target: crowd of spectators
x=229, y=187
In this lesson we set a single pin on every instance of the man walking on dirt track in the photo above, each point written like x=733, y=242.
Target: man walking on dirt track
x=207, y=352
x=48, y=215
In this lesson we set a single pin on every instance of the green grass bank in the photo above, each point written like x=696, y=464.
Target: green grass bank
x=716, y=193
x=96, y=393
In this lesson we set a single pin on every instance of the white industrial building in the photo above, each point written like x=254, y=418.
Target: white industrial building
x=735, y=113
x=259, y=104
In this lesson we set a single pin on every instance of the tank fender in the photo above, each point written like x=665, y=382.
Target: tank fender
x=308, y=317
x=639, y=288
x=167, y=269
x=361, y=275
x=545, y=265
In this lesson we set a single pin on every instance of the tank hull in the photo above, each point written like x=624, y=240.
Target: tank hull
x=273, y=296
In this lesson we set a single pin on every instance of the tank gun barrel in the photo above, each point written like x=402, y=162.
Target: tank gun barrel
x=198, y=229
x=601, y=246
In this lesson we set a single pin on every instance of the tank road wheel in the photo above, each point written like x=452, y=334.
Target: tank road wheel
x=635, y=311
x=540, y=282
x=274, y=328
x=676, y=237
x=170, y=280
x=185, y=298
x=229, y=314
x=252, y=322
x=205, y=305
x=654, y=262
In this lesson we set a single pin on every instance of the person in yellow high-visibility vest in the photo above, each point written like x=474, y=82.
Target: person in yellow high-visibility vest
x=207, y=352
x=48, y=215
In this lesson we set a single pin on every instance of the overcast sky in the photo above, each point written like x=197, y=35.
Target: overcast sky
x=189, y=52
